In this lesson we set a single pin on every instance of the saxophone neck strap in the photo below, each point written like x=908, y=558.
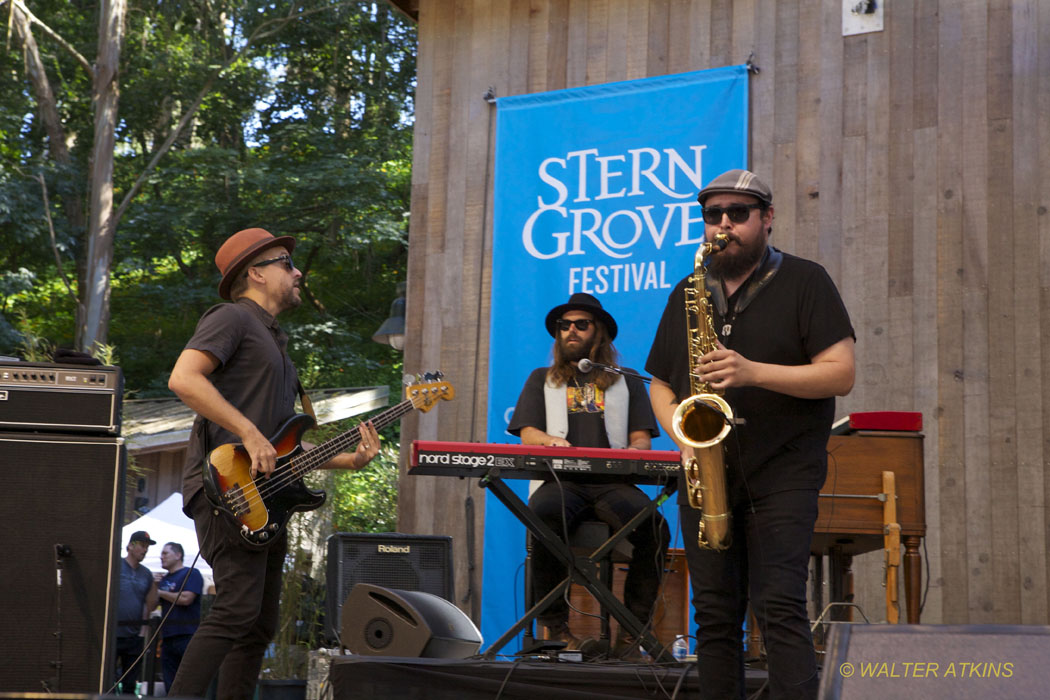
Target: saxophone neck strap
x=758, y=280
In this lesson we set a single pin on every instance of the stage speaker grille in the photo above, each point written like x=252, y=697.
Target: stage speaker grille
x=936, y=662
x=381, y=621
x=389, y=559
x=60, y=490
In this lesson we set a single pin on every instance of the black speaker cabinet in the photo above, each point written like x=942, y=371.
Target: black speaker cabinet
x=63, y=500
x=936, y=662
x=381, y=621
x=389, y=559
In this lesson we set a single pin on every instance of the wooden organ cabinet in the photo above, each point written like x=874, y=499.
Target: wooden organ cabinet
x=857, y=512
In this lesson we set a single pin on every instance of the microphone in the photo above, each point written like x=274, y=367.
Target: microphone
x=585, y=366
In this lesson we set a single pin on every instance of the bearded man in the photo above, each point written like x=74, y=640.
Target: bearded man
x=784, y=352
x=562, y=406
x=235, y=373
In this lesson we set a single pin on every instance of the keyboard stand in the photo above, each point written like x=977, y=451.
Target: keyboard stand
x=583, y=570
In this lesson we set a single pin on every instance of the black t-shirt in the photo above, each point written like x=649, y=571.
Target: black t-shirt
x=586, y=410
x=254, y=374
x=797, y=315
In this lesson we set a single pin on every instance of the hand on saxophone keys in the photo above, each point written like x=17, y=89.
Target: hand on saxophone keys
x=723, y=368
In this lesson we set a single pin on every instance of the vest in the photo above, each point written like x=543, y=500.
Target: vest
x=617, y=398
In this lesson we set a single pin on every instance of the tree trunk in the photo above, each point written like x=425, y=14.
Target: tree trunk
x=93, y=324
x=49, y=116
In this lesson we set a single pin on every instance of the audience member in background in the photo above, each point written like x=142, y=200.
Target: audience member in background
x=138, y=595
x=179, y=591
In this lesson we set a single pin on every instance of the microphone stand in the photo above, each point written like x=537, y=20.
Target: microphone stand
x=62, y=551
x=586, y=366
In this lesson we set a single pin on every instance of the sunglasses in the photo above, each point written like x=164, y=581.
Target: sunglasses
x=285, y=259
x=738, y=213
x=582, y=324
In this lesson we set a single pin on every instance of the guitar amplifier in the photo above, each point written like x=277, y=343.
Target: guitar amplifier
x=47, y=397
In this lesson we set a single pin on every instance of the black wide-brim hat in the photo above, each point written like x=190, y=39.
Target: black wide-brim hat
x=581, y=301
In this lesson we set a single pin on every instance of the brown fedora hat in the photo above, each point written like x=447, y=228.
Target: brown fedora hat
x=242, y=247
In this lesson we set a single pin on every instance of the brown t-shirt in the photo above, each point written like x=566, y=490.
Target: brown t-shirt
x=254, y=374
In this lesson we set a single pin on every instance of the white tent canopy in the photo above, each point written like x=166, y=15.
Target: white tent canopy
x=167, y=523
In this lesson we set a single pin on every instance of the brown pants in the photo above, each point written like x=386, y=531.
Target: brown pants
x=233, y=637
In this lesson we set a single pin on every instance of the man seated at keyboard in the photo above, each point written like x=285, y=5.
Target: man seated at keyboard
x=562, y=406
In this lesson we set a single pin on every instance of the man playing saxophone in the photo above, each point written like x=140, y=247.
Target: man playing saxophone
x=783, y=350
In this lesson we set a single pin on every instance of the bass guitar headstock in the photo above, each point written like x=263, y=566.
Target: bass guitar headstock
x=425, y=390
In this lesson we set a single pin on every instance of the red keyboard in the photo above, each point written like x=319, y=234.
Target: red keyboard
x=474, y=460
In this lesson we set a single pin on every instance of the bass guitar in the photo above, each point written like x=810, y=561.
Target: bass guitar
x=262, y=506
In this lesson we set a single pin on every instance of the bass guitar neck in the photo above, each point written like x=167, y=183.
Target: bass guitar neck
x=261, y=506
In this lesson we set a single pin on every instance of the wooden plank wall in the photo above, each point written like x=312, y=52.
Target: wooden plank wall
x=913, y=163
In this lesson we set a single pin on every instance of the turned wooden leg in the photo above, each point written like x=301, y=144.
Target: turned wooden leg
x=912, y=577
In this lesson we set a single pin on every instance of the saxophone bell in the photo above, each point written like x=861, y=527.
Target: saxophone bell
x=702, y=420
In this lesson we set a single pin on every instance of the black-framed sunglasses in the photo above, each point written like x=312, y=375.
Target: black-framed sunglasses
x=582, y=324
x=285, y=259
x=738, y=213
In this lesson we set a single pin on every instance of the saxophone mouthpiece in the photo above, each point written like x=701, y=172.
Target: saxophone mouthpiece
x=720, y=242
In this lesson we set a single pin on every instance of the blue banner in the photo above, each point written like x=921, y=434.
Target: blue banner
x=595, y=191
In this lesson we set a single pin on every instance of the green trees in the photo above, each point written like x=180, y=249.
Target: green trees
x=229, y=114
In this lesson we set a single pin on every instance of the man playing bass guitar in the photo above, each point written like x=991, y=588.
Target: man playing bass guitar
x=235, y=373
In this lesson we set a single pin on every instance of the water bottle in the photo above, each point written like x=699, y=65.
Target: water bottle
x=680, y=648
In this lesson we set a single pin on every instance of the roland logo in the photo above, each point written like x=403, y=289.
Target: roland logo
x=395, y=549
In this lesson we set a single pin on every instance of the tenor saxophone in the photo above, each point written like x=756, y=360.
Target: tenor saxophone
x=704, y=419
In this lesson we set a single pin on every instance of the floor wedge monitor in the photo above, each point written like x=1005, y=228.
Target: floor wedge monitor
x=381, y=621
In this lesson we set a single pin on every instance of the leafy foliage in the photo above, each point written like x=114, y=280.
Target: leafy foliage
x=308, y=134
x=364, y=500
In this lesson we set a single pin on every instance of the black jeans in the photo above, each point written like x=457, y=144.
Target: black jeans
x=233, y=637
x=129, y=649
x=613, y=504
x=768, y=561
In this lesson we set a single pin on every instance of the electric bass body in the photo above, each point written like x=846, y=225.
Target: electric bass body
x=262, y=506
x=262, y=510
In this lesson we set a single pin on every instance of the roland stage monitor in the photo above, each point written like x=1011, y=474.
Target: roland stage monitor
x=45, y=397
